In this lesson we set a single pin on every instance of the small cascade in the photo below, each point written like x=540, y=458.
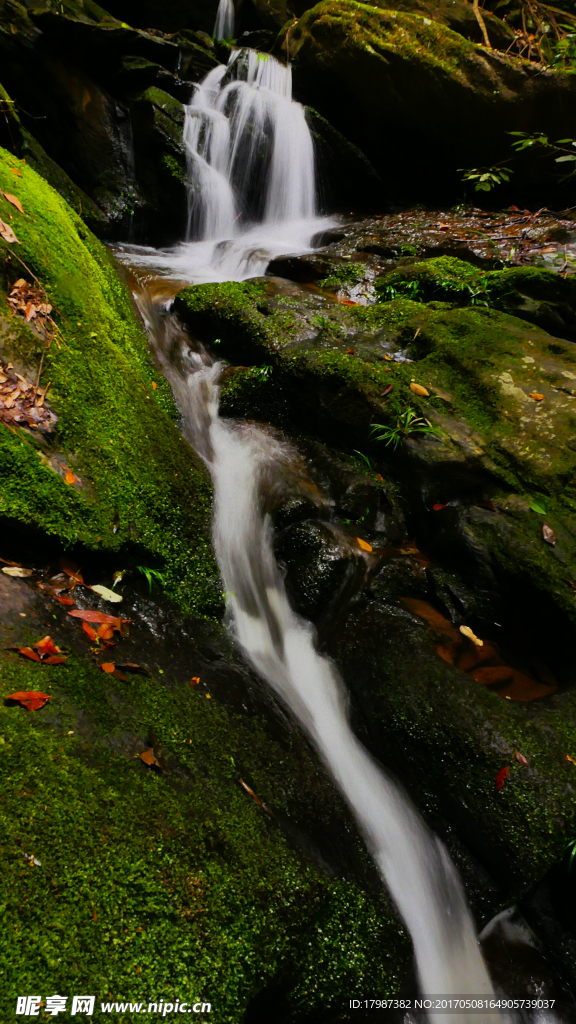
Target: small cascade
x=249, y=149
x=224, y=27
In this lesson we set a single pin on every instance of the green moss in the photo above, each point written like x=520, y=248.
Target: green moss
x=348, y=273
x=171, y=885
x=117, y=433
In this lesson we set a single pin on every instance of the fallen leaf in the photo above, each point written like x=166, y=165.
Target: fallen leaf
x=54, y=660
x=548, y=535
x=32, y=700
x=47, y=646
x=520, y=758
x=195, y=680
x=71, y=570
x=64, y=600
x=108, y=666
x=27, y=652
x=254, y=797
x=364, y=544
x=349, y=351
x=387, y=390
x=571, y=759
x=105, y=631
x=91, y=632
x=536, y=396
x=380, y=477
x=6, y=233
x=14, y=200
x=18, y=572
x=16, y=172
x=149, y=757
x=91, y=615
x=106, y=594
x=131, y=666
x=438, y=506
x=70, y=477
x=418, y=389
x=154, y=385
x=466, y=631
x=501, y=777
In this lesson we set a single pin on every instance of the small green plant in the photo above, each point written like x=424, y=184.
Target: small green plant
x=486, y=178
x=408, y=424
x=151, y=575
x=261, y=372
x=565, y=147
x=364, y=458
x=404, y=289
x=324, y=323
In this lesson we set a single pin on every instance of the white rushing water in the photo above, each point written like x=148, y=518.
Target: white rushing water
x=250, y=176
x=224, y=27
x=243, y=461
x=251, y=197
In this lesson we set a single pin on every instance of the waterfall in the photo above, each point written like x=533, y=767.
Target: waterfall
x=249, y=149
x=243, y=460
x=224, y=27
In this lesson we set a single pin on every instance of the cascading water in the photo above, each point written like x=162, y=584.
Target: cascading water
x=242, y=460
x=250, y=175
x=224, y=27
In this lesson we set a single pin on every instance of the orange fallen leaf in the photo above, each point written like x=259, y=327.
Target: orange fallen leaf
x=548, y=535
x=418, y=389
x=380, y=477
x=32, y=700
x=14, y=200
x=501, y=777
x=149, y=757
x=6, y=233
x=254, y=797
x=536, y=396
x=70, y=478
x=349, y=351
x=16, y=172
x=438, y=506
x=195, y=680
x=364, y=544
x=571, y=759
x=91, y=632
x=46, y=646
x=154, y=385
x=27, y=652
x=65, y=600
x=108, y=666
x=521, y=759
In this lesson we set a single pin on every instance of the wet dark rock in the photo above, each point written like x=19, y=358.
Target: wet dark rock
x=347, y=178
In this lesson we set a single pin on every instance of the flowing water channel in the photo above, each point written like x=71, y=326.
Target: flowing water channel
x=252, y=196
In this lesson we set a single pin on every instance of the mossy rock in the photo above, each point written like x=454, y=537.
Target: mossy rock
x=135, y=883
x=540, y=296
x=420, y=100
x=139, y=482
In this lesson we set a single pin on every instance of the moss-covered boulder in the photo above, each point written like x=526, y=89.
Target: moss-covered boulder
x=419, y=99
x=135, y=480
x=227, y=873
x=540, y=296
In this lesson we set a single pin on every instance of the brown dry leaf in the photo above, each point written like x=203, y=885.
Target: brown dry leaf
x=521, y=759
x=548, y=535
x=32, y=700
x=418, y=389
x=131, y=666
x=536, y=396
x=14, y=200
x=6, y=233
x=70, y=477
x=363, y=544
x=466, y=631
x=18, y=572
x=387, y=390
x=71, y=570
x=149, y=757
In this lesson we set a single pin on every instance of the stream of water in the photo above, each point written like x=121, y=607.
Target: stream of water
x=252, y=196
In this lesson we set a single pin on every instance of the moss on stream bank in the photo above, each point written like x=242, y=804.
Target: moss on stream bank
x=139, y=485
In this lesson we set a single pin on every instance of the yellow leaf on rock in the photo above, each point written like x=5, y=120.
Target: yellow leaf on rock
x=364, y=544
x=466, y=631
